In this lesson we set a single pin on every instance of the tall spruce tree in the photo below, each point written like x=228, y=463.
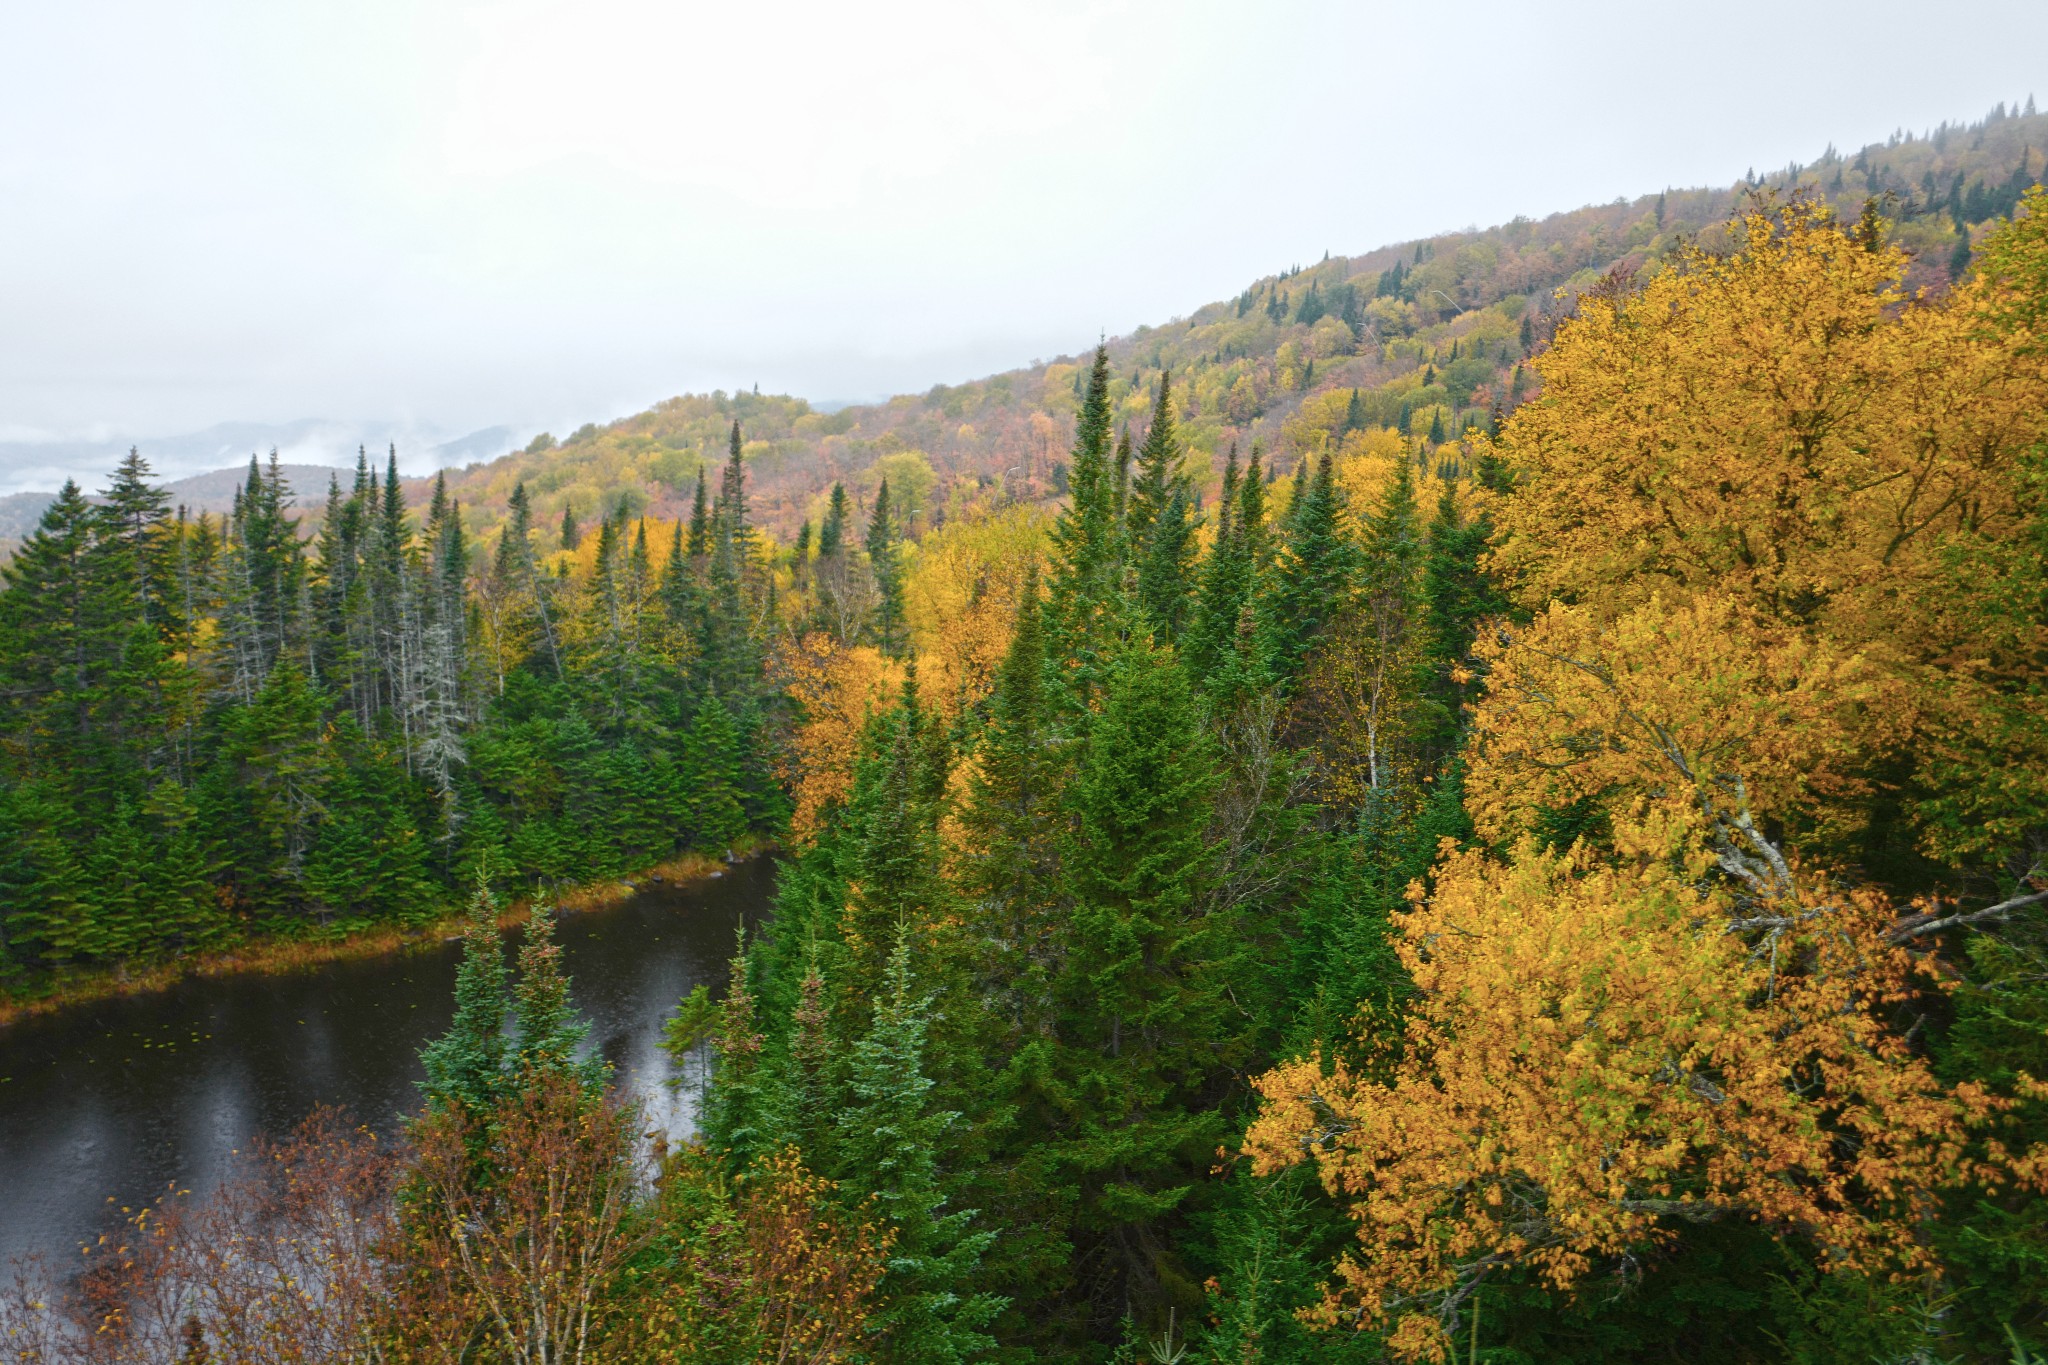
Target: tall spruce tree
x=893, y=1142
x=1388, y=635
x=725, y=648
x=700, y=522
x=1313, y=581
x=891, y=636
x=1160, y=523
x=1142, y=1039
x=1458, y=594
x=1222, y=651
x=466, y=1065
x=1011, y=822
x=548, y=1031
x=1083, y=537
x=893, y=822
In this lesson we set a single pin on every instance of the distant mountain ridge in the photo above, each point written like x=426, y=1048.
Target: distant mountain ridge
x=1424, y=338
x=212, y=492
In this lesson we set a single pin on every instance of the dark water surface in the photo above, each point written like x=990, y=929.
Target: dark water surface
x=118, y=1099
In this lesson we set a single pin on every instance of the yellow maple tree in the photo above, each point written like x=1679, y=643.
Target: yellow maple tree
x=1741, y=520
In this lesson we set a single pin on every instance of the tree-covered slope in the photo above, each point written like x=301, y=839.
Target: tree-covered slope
x=1430, y=334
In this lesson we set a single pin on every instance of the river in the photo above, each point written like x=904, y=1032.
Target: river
x=106, y=1104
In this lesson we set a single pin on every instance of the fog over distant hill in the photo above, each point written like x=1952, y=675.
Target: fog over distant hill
x=202, y=470
x=42, y=466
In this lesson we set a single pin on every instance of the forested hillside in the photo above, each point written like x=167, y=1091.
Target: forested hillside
x=1433, y=335
x=1564, y=887
x=1573, y=893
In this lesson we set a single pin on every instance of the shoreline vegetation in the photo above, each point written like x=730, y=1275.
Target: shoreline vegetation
x=275, y=956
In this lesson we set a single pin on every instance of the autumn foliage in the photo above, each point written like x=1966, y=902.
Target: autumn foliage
x=1660, y=992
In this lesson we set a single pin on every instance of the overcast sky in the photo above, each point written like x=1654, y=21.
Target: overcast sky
x=538, y=214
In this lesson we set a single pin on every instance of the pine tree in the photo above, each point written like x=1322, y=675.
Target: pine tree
x=893, y=1140
x=1389, y=657
x=572, y=535
x=806, y=1096
x=523, y=593
x=718, y=814
x=800, y=556
x=1010, y=818
x=1312, y=584
x=731, y=509
x=548, y=1031
x=134, y=513
x=832, y=530
x=50, y=635
x=1159, y=526
x=700, y=522
x=733, y=1116
x=466, y=1065
x=726, y=656
x=890, y=634
x=681, y=588
x=892, y=821
x=1084, y=553
x=1458, y=595
x=1140, y=1005
x=1226, y=574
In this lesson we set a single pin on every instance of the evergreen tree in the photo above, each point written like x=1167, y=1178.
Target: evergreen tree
x=549, y=1031
x=892, y=819
x=731, y=510
x=523, y=591
x=800, y=556
x=1160, y=526
x=1010, y=820
x=725, y=647
x=466, y=1065
x=832, y=530
x=700, y=522
x=1388, y=645
x=50, y=628
x=134, y=513
x=733, y=1116
x=1458, y=595
x=1312, y=584
x=572, y=535
x=1083, y=537
x=718, y=813
x=890, y=634
x=806, y=1098
x=894, y=1138
x=1141, y=1007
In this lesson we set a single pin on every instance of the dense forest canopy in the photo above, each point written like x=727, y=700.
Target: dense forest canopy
x=1563, y=886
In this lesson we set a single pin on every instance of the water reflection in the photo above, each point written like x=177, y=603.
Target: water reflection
x=112, y=1102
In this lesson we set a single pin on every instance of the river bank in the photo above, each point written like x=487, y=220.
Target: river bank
x=275, y=956
x=119, y=1098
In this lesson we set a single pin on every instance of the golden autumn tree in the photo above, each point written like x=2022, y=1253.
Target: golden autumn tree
x=1737, y=517
x=1784, y=426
